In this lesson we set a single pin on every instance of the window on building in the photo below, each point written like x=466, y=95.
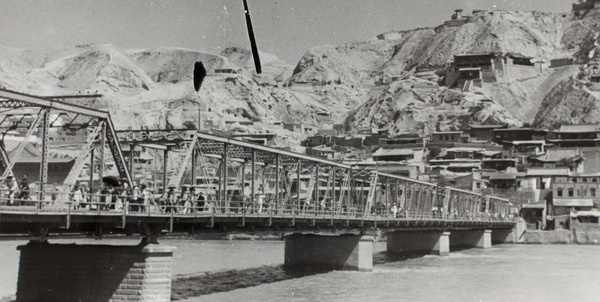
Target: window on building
x=584, y=179
x=559, y=192
x=574, y=179
x=594, y=179
x=593, y=192
x=570, y=192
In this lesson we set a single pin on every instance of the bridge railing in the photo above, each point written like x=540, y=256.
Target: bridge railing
x=148, y=204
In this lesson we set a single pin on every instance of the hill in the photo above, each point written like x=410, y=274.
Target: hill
x=396, y=80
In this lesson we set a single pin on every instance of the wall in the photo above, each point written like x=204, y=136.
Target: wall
x=591, y=163
x=521, y=71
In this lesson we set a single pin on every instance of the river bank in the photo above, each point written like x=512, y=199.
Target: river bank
x=252, y=270
x=579, y=233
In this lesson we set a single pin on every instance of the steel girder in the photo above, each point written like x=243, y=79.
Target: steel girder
x=24, y=104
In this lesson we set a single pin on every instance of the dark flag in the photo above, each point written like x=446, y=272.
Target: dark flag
x=252, y=40
x=199, y=74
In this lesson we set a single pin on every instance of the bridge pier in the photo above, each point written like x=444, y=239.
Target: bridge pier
x=514, y=235
x=429, y=242
x=72, y=272
x=318, y=252
x=504, y=236
x=471, y=238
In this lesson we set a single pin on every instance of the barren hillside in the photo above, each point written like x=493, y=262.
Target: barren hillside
x=394, y=80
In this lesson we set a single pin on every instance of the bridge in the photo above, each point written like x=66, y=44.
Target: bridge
x=87, y=177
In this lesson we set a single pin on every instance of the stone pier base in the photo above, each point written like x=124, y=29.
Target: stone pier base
x=471, y=238
x=319, y=252
x=70, y=272
x=428, y=242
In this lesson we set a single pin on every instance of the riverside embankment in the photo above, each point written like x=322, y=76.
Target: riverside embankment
x=580, y=233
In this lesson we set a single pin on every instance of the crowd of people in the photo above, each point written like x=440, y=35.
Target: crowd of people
x=140, y=199
x=14, y=193
x=118, y=195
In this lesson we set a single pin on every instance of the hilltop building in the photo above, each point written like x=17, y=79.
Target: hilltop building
x=475, y=69
x=504, y=136
x=581, y=9
x=483, y=133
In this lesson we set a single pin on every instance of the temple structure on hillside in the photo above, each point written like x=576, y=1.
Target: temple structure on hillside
x=583, y=7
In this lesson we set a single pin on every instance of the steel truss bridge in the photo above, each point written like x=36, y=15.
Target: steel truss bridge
x=244, y=185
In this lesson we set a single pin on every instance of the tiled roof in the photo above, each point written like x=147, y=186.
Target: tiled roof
x=554, y=155
x=578, y=128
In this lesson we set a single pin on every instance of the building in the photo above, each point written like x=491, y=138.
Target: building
x=483, y=133
x=534, y=215
x=227, y=70
x=539, y=181
x=313, y=141
x=499, y=164
x=487, y=67
x=457, y=19
x=502, y=181
x=324, y=117
x=29, y=163
x=373, y=140
x=584, y=7
x=326, y=132
x=573, y=193
x=321, y=151
x=448, y=137
x=293, y=127
x=407, y=154
x=534, y=147
x=257, y=138
x=409, y=140
x=559, y=158
x=508, y=135
x=554, y=63
x=582, y=135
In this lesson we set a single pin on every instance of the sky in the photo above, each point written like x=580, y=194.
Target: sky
x=286, y=28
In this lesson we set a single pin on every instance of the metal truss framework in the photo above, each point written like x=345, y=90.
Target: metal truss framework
x=289, y=180
x=46, y=112
x=240, y=172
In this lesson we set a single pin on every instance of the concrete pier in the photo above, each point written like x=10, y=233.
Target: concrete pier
x=500, y=236
x=428, y=242
x=70, y=272
x=471, y=238
x=318, y=252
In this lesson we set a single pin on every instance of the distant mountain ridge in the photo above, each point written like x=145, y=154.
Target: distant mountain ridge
x=393, y=80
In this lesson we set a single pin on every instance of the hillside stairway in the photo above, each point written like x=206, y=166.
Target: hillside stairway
x=467, y=86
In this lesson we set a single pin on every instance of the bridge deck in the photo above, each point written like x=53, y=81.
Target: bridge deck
x=63, y=218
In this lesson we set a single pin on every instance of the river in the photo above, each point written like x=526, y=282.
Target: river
x=251, y=271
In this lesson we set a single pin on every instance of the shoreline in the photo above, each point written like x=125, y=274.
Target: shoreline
x=579, y=234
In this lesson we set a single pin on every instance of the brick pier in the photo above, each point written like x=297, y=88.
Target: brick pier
x=71, y=272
